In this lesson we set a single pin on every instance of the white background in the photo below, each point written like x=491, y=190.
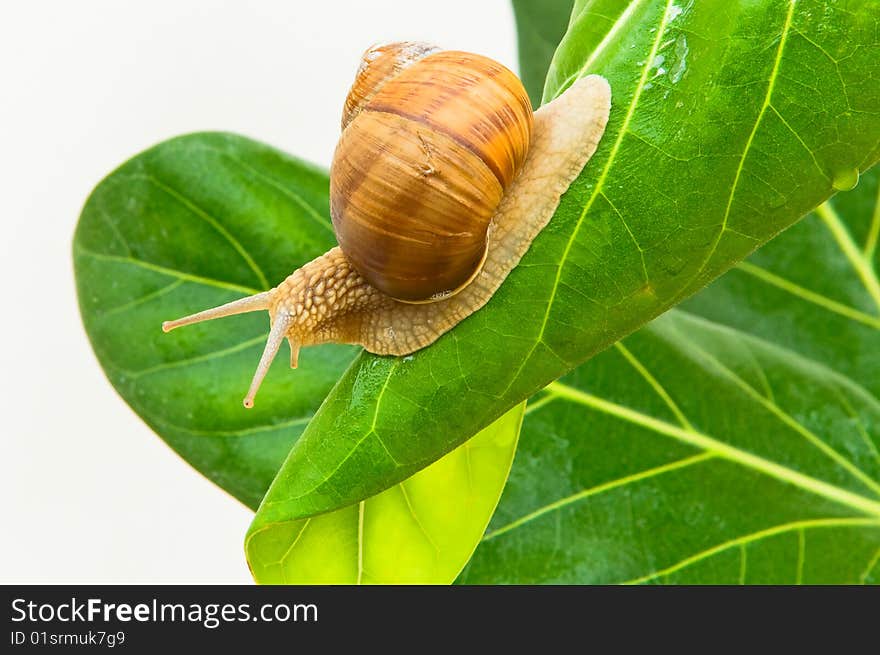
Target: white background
x=88, y=492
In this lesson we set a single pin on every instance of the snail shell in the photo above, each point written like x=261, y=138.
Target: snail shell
x=333, y=298
x=379, y=64
x=432, y=140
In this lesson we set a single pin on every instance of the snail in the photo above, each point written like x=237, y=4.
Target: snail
x=440, y=181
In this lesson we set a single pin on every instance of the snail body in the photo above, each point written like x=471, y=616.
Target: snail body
x=441, y=180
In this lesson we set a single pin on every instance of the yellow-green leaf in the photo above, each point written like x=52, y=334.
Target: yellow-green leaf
x=420, y=531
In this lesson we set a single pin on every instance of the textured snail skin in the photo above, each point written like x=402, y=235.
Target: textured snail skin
x=327, y=300
x=418, y=174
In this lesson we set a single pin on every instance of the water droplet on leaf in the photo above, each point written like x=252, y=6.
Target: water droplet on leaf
x=777, y=201
x=845, y=180
x=680, y=54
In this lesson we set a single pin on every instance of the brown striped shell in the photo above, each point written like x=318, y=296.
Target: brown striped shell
x=379, y=64
x=431, y=140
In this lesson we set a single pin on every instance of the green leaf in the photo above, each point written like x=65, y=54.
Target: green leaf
x=421, y=531
x=192, y=223
x=730, y=121
x=736, y=440
x=539, y=27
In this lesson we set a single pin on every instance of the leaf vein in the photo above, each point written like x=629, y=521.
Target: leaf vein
x=290, y=548
x=808, y=295
x=152, y=295
x=790, y=421
x=171, y=272
x=624, y=17
x=412, y=513
x=640, y=86
x=722, y=449
x=870, y=567
x=752, y=537
x=105, y=217
x=655, y=384
x=802, y=546
x=199, y=359
x=360, y=539
x=310, y=211
x=598, y=489
x=210, y=220
x=873, y=231
x=844, y=240
x=234, y=433
x=774, y=73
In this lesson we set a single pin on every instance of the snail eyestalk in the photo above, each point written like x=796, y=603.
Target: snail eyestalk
x=255, y=303
x=276, y=335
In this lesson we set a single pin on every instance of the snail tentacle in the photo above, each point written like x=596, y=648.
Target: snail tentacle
x=257, y=302
x=294, y=352
x=277, y=334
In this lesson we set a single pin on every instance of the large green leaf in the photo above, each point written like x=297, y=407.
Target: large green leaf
x=734, y=440
x=730, y=121
x=191, y=223
x=421, y=531
x=539, y=27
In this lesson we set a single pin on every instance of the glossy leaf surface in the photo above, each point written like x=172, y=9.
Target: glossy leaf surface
x=735, y=440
